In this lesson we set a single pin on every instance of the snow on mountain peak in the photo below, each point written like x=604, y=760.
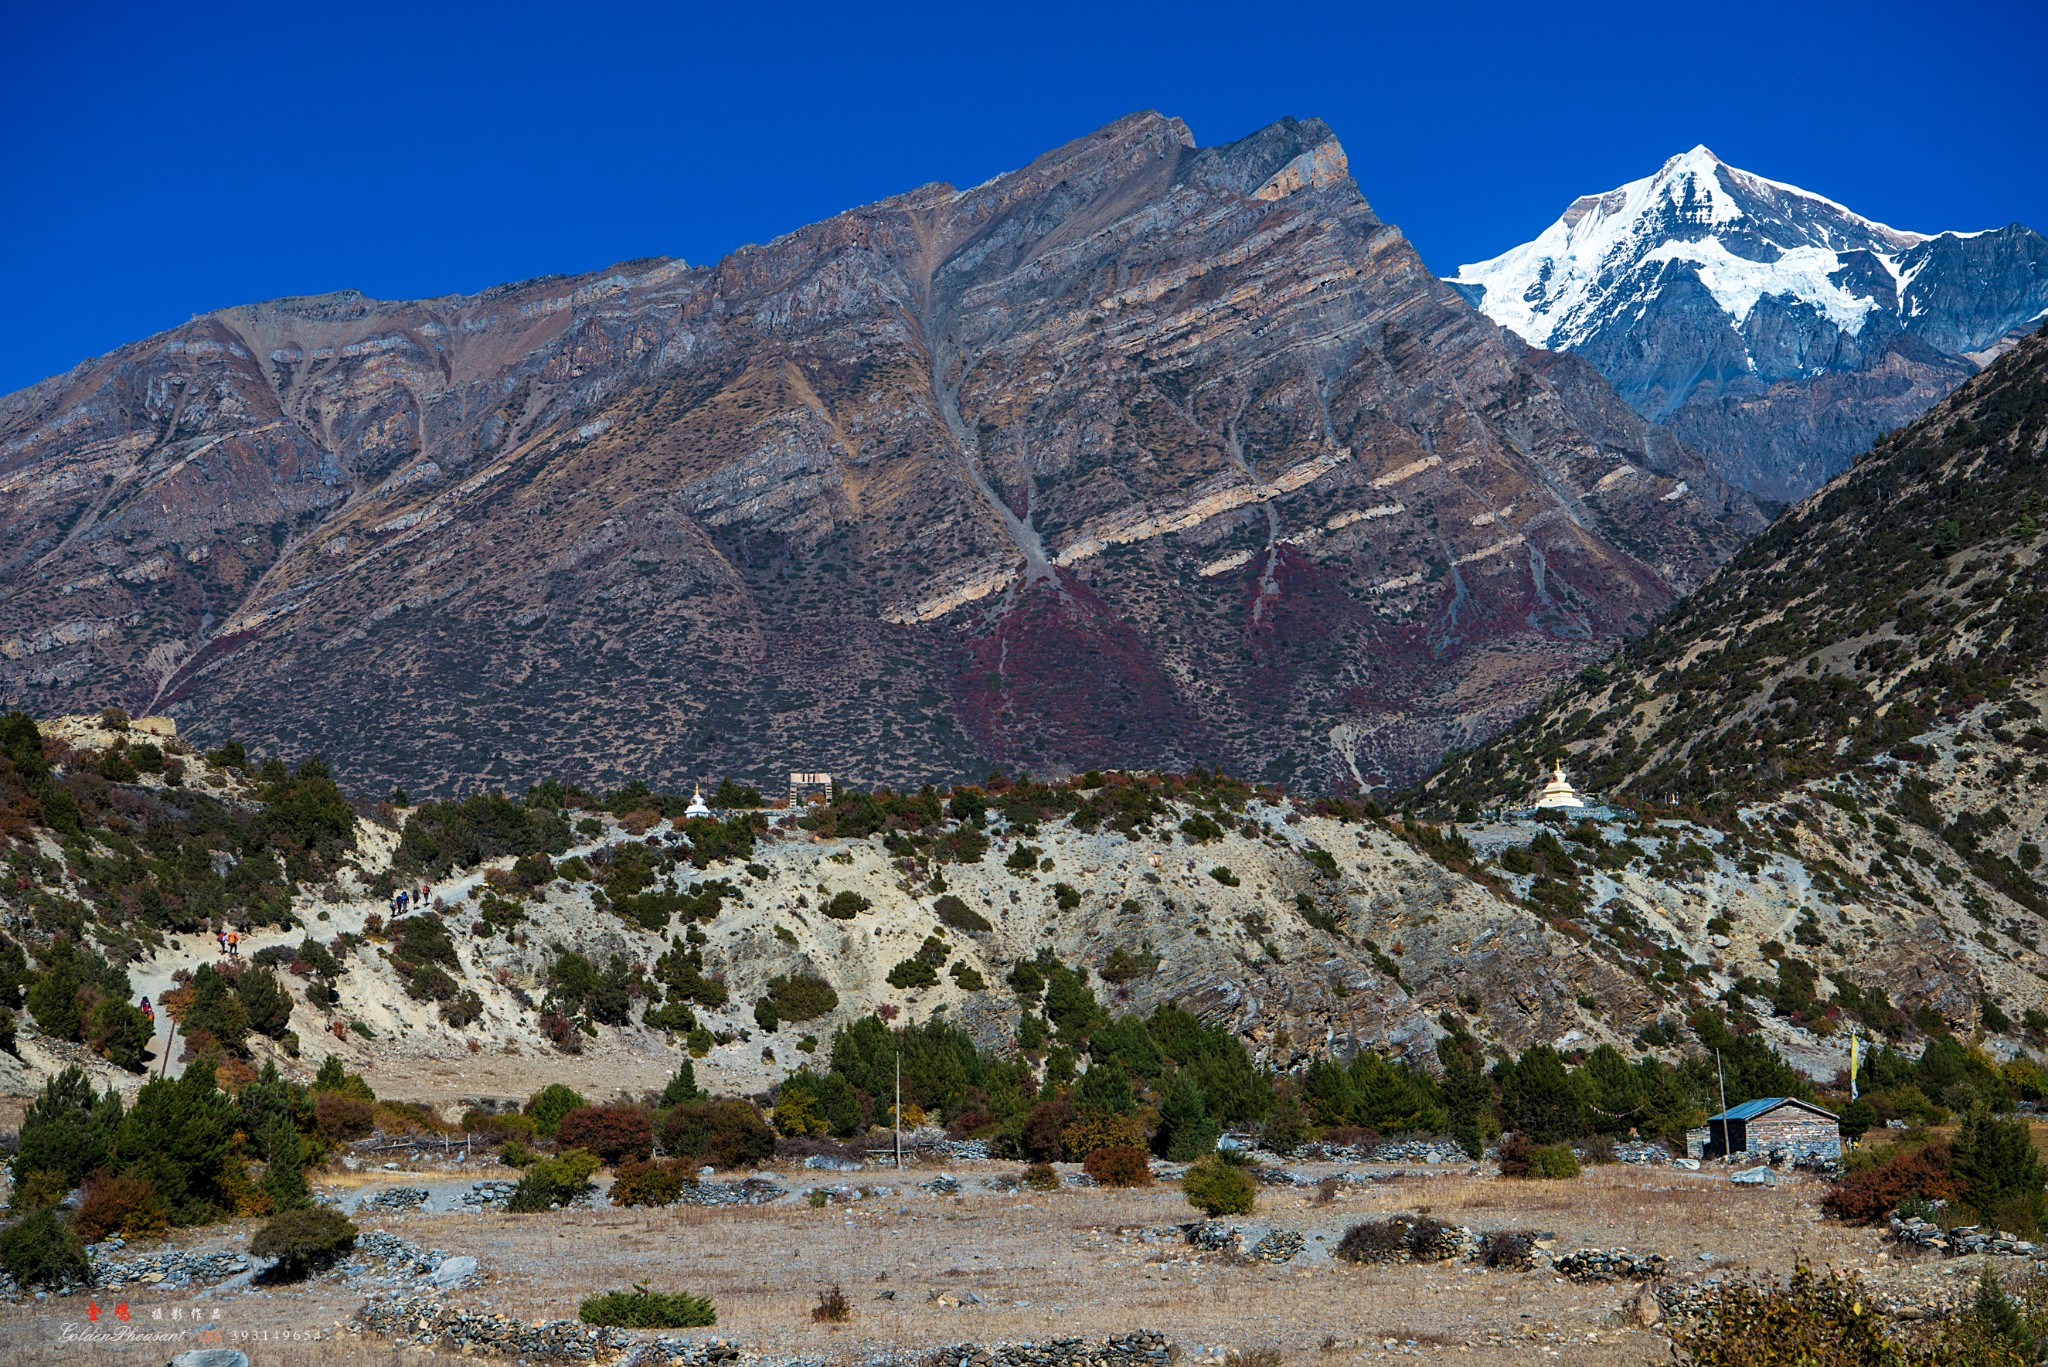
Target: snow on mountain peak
x=1744, y=236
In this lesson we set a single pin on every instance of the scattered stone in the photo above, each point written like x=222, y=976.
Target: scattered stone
x=165, y=1271
x=752, y=1191
x=487, y=1195
x=1609, y=1265
x=1754, y=1177
x=211, y=1357
x=417, y=1322
x=1277, y=1247
x=452, y=1271
x=1650, y=1154
x=1127, y=1350
x=827, y=1163
x=941, y=1185
x=398, y=1199
x=1211, y=1236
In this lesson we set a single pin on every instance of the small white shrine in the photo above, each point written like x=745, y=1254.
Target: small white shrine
x=698, y=807
x=1558, y=793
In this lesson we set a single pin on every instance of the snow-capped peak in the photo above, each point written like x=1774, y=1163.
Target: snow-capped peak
x=1744, y=236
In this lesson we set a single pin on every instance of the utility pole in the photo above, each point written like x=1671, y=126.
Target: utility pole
x=170, y=1041
x=899, y=1110
x=1722, y=1073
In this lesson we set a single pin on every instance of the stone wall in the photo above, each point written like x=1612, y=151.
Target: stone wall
x=1800, y=1132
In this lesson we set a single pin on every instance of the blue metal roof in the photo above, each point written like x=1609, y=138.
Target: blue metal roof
x=1749, y=1110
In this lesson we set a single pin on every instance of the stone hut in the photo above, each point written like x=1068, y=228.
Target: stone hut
x=1769, y=1124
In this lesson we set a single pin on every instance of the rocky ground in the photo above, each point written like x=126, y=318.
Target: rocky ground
x=924, y=1265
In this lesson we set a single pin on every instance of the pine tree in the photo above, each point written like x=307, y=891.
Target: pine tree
x=682, y=1087
x=284, y=1179
x=67, y=1129
x=2001, y=1172
x=1186, y=1130
x=1468, y=1096
x=1105, y=1087
x=1540, y=1099
x=178, y=1136
x=1993, y=1314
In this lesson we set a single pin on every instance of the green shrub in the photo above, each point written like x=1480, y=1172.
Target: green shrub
x=955, y=914
x=1039, y=1177
x=1214, y=1187
x=303, y=1241
x=548, y=1105
x=1553, y=1161
x=913, y=973
x=844, y=906
x=644, y=1309
x=801, y=996
x=1222, y=874
x=43, y=1250
x=554, y=1182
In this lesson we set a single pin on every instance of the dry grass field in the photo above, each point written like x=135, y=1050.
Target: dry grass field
x=1044, y=1265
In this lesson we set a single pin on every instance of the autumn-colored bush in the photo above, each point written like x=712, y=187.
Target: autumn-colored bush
x=656, y=1182
x=113, y=1204
x=497, y=1127
x=1823, y=1319
x=1869, y=1194
x=343, y=1117
x=562, y=1032
x=614, y=1133
x=1119, y=1165
x=725, y=1134
x=1094, y=1130
x=1045, y=1126
x=1039, y=1177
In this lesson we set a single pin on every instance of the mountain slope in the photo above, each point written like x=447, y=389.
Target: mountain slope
x=1775, y=331
x=1145, y=454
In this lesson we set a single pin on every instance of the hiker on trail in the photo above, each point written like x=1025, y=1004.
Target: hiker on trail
x=234, y=945
x=220, y=937
x=148, y=1011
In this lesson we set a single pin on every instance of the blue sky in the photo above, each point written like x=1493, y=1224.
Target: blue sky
x=161, y=160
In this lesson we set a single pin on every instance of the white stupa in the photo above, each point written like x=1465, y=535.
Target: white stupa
x=697, y=805
x=1558, y=794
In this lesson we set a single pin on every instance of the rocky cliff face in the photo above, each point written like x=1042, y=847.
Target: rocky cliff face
x=1145, y=454
x=1772, y=330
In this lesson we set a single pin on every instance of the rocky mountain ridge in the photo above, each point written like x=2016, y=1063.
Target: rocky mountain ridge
x=1144, y=454
x=1773, y=330
x=1867, y=683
